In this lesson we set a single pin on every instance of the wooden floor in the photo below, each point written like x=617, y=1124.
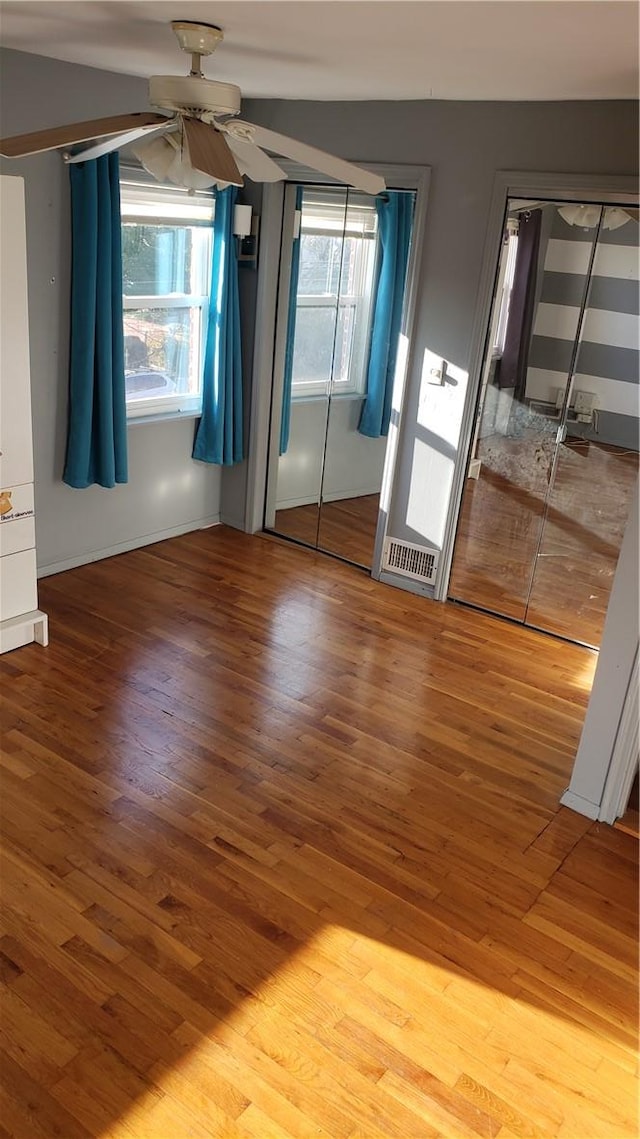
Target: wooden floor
x=549, y=561
x=283, y=858
x=346, y=527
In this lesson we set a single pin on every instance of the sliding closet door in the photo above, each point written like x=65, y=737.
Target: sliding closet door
x=597, y=462
x=338, y=339
x=353, y=464
x=312, y=326
x=375, y=257
x=526, y=376
x=340, y=314
x=555, y=457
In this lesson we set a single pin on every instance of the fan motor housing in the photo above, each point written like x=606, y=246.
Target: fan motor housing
x=191, y=94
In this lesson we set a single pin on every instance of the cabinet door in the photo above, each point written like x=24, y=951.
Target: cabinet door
x=16, y=460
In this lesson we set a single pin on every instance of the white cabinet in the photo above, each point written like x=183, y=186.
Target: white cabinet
x=20, y=619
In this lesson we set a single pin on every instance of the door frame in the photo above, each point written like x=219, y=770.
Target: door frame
x=624, y=758
x=596, y=188
x=404, y=177
x=607, y=755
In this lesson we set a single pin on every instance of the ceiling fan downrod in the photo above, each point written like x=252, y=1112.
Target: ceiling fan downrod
x=197, y=40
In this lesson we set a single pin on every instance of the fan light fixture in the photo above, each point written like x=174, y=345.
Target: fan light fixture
x=166, y=160
x=588, y=216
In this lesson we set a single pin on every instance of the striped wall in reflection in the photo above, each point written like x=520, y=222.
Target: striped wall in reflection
x=609, y=354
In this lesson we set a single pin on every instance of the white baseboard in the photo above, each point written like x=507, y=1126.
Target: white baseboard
x=582, y=806
x=387, y=577
x=131, y=544
x=337, y=496
x=291, y=503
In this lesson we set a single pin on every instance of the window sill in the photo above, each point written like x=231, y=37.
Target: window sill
x=162, y=417
x=334, y=395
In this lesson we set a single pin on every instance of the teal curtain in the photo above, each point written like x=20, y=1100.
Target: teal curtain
x=97, y=430
x=285, y=422
x=219, y=436
x=395, y=217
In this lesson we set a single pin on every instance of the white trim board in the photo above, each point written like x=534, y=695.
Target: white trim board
x=582, y=806
x=131, y=544
x=602, y=761
x=624, y=759
x=336, y=496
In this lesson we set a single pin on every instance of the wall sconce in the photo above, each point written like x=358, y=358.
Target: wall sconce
x=246, y=228
x=242, y=221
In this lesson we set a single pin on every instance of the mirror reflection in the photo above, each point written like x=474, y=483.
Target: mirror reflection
x=555, y=453
x=346, y=294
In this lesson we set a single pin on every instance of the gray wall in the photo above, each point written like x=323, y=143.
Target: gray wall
x=463, y=143
x=167, y=491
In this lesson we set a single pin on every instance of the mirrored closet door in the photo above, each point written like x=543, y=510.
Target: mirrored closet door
x=343, y=282
x=555, y=454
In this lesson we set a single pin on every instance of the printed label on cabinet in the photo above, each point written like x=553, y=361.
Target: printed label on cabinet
x=16, y=502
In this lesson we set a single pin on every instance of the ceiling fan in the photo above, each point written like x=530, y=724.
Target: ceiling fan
x=201, y=142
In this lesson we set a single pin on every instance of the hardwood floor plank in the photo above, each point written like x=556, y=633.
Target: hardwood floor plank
x=32, y=1112
x=283, y=857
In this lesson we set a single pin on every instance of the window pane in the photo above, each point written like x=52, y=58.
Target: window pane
x=319, y=265
x=314, y=348
x=336, y=272
x=158, y=260
x=350, y=282
x=344, y=345
x=162, y=352
x=313, y=345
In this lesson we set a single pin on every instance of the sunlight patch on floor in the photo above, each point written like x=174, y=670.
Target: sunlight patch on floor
x=288, y=1041
x=584, y=674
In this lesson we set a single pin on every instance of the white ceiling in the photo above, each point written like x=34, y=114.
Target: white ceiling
x=303, y=49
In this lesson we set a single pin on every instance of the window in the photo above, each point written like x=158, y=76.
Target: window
x=166, y=270
x=505, y=283
x=334, y=297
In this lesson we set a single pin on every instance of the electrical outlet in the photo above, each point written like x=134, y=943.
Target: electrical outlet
x=583, y=403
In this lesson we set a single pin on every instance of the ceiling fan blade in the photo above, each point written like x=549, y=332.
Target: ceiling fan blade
x=118, y=141
x=254, y=162
x=209, y=152
x=23, y=144
x=318, y=160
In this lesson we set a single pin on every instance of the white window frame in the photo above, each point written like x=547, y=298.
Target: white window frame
x=146, y=201
x=363, y=299
x=505, y=284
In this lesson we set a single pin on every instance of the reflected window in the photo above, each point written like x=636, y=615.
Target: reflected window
x=335, y=293
x=505, y=283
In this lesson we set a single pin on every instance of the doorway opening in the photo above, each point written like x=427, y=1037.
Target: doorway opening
x=554, y=458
